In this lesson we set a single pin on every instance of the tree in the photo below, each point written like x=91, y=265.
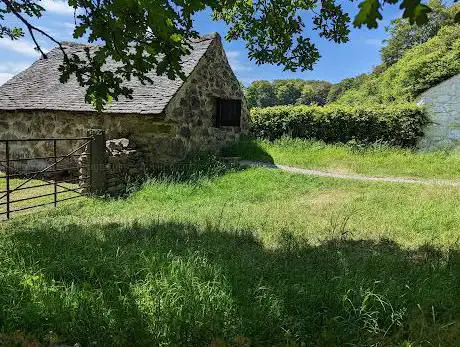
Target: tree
x=144, y=36
x=321, y=91
x=420, y=68
x=260, y=94
x=338, y=89
x=307, y=96
x=403, y=35
x=287, y=91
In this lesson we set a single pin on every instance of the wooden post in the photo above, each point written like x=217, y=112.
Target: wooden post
x=7, y=151
x=55, y=173
x=97, y=162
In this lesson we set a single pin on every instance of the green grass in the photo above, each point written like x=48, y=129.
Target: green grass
x=378, y=161
x=36, y=194
x=255, y=257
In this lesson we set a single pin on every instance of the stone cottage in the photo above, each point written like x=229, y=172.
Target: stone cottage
x=166, y=120
x=443, y=106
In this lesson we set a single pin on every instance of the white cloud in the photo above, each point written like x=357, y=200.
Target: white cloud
x=69, y=28
x=23, y=47
x=12, y=67
x=20, y=46
x=233, y=54
x=69, y=25
x=61, y=30
x=5, y=77
x=57, y=6
x=49, y=31
x=235, y=63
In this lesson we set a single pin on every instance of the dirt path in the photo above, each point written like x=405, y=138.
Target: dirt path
x=313, y=172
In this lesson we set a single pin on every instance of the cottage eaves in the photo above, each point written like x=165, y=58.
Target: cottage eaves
x=38, y=87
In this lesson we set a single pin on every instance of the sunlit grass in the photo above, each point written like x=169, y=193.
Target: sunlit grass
x=347, y=159
x=255, y=257
x=25, y=192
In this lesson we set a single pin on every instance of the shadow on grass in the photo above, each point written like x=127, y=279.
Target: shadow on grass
x=170, y=284
x=201, y=166
x=248, y=149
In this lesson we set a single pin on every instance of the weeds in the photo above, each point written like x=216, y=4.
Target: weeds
x=370, y=314
x=378, y=159
x=339, y=224
x=241, y=259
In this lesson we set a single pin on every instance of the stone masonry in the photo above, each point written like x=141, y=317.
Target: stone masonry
x=443, y=107
x=193, y=108
x=163, y=134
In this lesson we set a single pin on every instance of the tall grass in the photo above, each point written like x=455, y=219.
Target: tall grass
x=378, y=159
x=255, y=257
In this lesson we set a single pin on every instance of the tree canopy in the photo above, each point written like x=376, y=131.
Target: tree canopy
x=414, y=58
x=404, y=36
x=420, y=68
x=287, y=92
x=144, y=36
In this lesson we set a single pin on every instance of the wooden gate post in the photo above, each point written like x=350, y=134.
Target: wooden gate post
x=97, y=162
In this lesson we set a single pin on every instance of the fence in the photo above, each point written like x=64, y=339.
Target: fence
x=63, y=180
x=93, y=166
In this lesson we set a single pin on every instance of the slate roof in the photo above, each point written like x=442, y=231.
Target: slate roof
x=38, y=87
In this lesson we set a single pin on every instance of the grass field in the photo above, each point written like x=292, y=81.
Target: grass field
x=32, y=192
x=243, y=258
x=377, y=160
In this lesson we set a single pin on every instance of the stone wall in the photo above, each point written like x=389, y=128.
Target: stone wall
x=124, y=165
x=193, y=108
x=121, y=165
x=148, y=132
x=187, y=125
x=443, y=107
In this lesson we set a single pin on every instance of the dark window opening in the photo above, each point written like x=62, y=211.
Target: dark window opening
x=228, y=113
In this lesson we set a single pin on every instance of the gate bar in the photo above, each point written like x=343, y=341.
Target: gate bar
x=48, y=184
x=43, y=158
x=48, y=167
x=49, y=139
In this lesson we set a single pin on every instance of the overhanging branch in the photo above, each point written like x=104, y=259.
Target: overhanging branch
x=31, y=28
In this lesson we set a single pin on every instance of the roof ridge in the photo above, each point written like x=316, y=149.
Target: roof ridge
x=78, y=44
x=201, y=38
x=38, y=87
x=206, y=37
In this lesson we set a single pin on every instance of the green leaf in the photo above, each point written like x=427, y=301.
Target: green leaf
x=79, y=31
x=457, y=18
x=369, y=13
x=415, y=11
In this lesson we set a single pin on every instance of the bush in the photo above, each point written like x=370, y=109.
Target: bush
x=398, y=125
x=420, y=68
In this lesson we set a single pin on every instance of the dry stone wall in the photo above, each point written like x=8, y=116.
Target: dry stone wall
x=149, y=132
x=194, y=107
x=443, y=106
x=187, y=124
x=122, y=165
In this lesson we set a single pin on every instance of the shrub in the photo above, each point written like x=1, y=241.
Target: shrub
x=420, y=68
x=399, y=125
x=403, y=35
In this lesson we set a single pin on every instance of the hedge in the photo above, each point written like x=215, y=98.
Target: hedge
x=399, y=125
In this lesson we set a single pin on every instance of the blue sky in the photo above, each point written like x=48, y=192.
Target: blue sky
x=338, y=61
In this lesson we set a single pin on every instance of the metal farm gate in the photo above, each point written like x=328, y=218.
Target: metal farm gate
x=45, y=180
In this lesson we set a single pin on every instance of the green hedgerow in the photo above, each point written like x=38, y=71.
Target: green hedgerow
x=399, y=125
